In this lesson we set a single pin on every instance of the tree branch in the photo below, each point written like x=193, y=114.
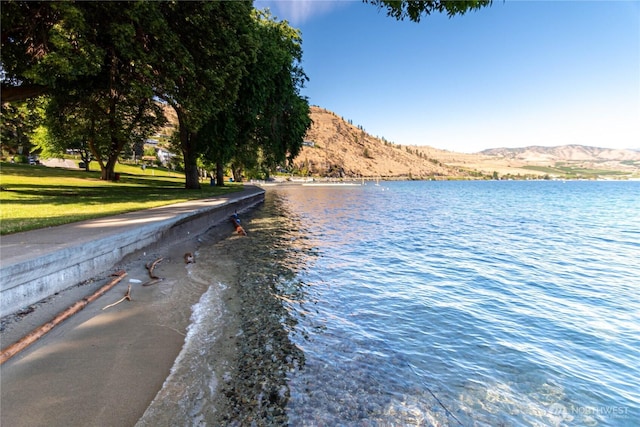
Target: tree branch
x=10, y=93
x=151, y=267
x=126, y=296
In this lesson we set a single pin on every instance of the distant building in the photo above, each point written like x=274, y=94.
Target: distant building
x=165, y=156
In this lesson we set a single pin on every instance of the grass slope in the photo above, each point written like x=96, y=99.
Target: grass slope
x=571, y=172
x=34, y=197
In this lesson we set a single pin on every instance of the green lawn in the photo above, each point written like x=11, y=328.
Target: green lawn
x=34, y=197
x=568, y=171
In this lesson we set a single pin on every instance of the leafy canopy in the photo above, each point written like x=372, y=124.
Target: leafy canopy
x=414, y=10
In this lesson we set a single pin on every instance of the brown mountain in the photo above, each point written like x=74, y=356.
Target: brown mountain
x=595, y=161
x=337, y=148
x=565, y=153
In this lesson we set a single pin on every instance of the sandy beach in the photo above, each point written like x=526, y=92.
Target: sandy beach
x=103, y=367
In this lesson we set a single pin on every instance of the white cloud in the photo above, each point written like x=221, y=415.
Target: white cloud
x=298, y=11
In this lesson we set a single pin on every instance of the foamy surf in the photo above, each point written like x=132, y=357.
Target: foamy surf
x=188, y=393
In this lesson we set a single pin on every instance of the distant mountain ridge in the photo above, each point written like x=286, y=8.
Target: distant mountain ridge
x=335, y=147
x=569, y=153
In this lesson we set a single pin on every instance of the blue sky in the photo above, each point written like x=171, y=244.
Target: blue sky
x=514, y=74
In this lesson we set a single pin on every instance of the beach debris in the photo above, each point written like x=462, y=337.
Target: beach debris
x=152, y=282
x=39, y=332
x=126, y=296
x=135, y=281
x=189, y=258
x=151, y=266
x=154, y=279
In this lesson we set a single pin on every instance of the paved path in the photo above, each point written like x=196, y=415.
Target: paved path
x=39, y=263
x=103, y=367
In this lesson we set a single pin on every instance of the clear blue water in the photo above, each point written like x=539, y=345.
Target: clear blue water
x=514, y=303
x=457, y=303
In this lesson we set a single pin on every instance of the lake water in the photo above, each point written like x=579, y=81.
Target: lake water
x=432, y=303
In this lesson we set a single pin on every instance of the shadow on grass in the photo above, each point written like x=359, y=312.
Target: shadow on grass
x=37, y=196
x=39, y=171
x=67, y=194
x=36, y=171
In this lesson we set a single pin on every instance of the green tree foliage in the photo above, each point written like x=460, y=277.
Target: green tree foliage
x=217, y=139
x=209, y=44
x=414, y=10
x=104, y=65
x=117, y=101
x=284, y=120
x=19, y=124
x=43, y=45
x=266, y=124
x=87, y=56
x=105, y=126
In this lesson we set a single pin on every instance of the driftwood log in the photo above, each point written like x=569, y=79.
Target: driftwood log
x=126, y=296
x=39, y=332
x=154, y=279
x=152, y=282
x=151, y=266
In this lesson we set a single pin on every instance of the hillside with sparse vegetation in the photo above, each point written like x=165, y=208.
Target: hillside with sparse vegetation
x=335, y=147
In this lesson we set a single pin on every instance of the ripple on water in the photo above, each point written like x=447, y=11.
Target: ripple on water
x=439, y=303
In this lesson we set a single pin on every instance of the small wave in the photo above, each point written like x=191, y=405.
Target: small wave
x=187, y=394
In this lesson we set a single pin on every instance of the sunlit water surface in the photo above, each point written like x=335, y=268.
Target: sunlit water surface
x=453, y=303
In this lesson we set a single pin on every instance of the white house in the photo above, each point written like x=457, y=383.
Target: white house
x=164, y=156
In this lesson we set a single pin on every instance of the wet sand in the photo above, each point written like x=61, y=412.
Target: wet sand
x=234, y=366
x=104, y=366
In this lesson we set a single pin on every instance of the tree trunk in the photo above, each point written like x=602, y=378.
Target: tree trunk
x=85, y=157
x=95, y=153
x=219, y=174
x=187, y=145
x=191, y=173
x=237, y=173
x=107, y=173
x=108, y=170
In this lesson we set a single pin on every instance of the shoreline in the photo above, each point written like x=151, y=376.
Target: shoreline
x=211, y=332
x=105, y=366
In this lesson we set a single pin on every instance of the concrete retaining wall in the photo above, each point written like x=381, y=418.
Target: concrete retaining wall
x=31, y=280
